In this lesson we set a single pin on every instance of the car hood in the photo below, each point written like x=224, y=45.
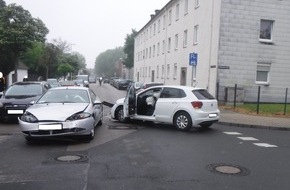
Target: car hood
x=56, y=111
x=18, y=99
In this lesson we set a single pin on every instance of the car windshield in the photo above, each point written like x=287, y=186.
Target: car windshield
x=65, y=96
x=24, y=90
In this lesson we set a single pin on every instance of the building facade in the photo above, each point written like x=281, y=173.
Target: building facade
x=241, y=42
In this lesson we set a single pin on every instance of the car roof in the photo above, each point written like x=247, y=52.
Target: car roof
x=29, y=82
x=177, y=86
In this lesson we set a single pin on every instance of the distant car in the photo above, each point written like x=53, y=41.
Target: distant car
x=80, y=82
x=63, y=111
x=53, y=82
x=182, y=106
x=122, y=84
x=85, y=78
x=92, y=79
x=68, y=83
x=18, y=97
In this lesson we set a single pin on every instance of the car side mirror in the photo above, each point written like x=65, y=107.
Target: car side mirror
x=98, y=104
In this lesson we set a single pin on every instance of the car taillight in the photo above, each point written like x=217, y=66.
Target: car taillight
x=196, y=104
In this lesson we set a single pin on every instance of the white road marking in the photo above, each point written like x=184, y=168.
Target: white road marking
x=248, y=138
x=266, y=145
x=233, y=133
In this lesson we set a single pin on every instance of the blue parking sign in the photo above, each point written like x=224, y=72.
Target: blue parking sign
x=193, y=59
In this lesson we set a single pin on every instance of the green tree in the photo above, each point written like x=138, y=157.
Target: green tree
x=18, y=31
x=129, y=49
x=105, y=62
x=64, y=69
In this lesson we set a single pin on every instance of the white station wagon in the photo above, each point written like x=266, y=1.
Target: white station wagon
x=182, y=106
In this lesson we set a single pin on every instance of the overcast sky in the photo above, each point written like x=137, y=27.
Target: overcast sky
x=93, y=26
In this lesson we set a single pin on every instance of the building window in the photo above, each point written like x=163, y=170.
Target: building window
x=175, y=71
x=164, y=21
x=149, y=72
x=163, y=72
x=176, y=42
x=157, y=74
x=154, y=29
x=169, y=44
x=196, y=3
x=158, y=25
x=163, y=46
x=153, y=50
x=185, y=38
x=266, y=30
x=150, y=51
x=158, y=48
x=263, y=70
x=177, y=12
x=195, y=32
x=168, y=71
x=185, y=7
x=169, y=17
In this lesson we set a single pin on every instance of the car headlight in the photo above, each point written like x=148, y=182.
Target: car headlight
x=78, y=116
x=28, y=117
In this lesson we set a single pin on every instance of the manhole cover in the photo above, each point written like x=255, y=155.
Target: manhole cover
x=228, y=169
x=71, y=158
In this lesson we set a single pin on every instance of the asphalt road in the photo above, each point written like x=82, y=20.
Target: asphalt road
x=144, y=156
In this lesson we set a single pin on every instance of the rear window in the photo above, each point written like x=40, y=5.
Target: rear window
x=24, y=90
x=203, y=94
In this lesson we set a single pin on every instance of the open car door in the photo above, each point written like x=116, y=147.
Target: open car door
x=130, y=102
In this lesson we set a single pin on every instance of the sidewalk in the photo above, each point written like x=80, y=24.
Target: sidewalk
x=229, y=117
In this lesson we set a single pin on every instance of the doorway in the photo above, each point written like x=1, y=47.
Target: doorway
x=183, y=75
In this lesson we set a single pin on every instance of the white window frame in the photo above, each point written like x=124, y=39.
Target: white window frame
x=176, y=42
x=169, y=45
x=263, y=37
x=185, y=36
x=177, y=12
x=263, y=70
x=168, y=71
x=195, y=35
x=175, y=71
x=197, y=3
x=185, y=7
x=169, y=17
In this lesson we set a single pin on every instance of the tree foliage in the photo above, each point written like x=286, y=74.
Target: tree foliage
x=129, y=49
x=18, y=31
x=105, y=62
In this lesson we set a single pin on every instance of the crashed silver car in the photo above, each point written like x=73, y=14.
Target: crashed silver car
x=63, y=111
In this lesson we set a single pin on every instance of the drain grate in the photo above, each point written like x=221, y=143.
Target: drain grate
x=122, y=127
x=228, y=169
x=66, y=158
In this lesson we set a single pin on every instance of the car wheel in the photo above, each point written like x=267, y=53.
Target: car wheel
x=120, y=115
x=182, y=121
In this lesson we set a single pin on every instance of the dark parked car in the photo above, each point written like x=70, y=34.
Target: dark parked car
x=19, y=96
x=122, y=83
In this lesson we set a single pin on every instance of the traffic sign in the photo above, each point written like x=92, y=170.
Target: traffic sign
x=193, y=59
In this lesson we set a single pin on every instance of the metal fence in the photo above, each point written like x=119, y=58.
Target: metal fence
x=257, y=94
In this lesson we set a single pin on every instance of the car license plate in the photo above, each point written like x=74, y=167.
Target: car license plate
x=15, y=111
x=212, y=115
x=50, y=127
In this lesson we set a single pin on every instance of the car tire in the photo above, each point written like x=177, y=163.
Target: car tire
x=119, y=114
x=182, y=121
